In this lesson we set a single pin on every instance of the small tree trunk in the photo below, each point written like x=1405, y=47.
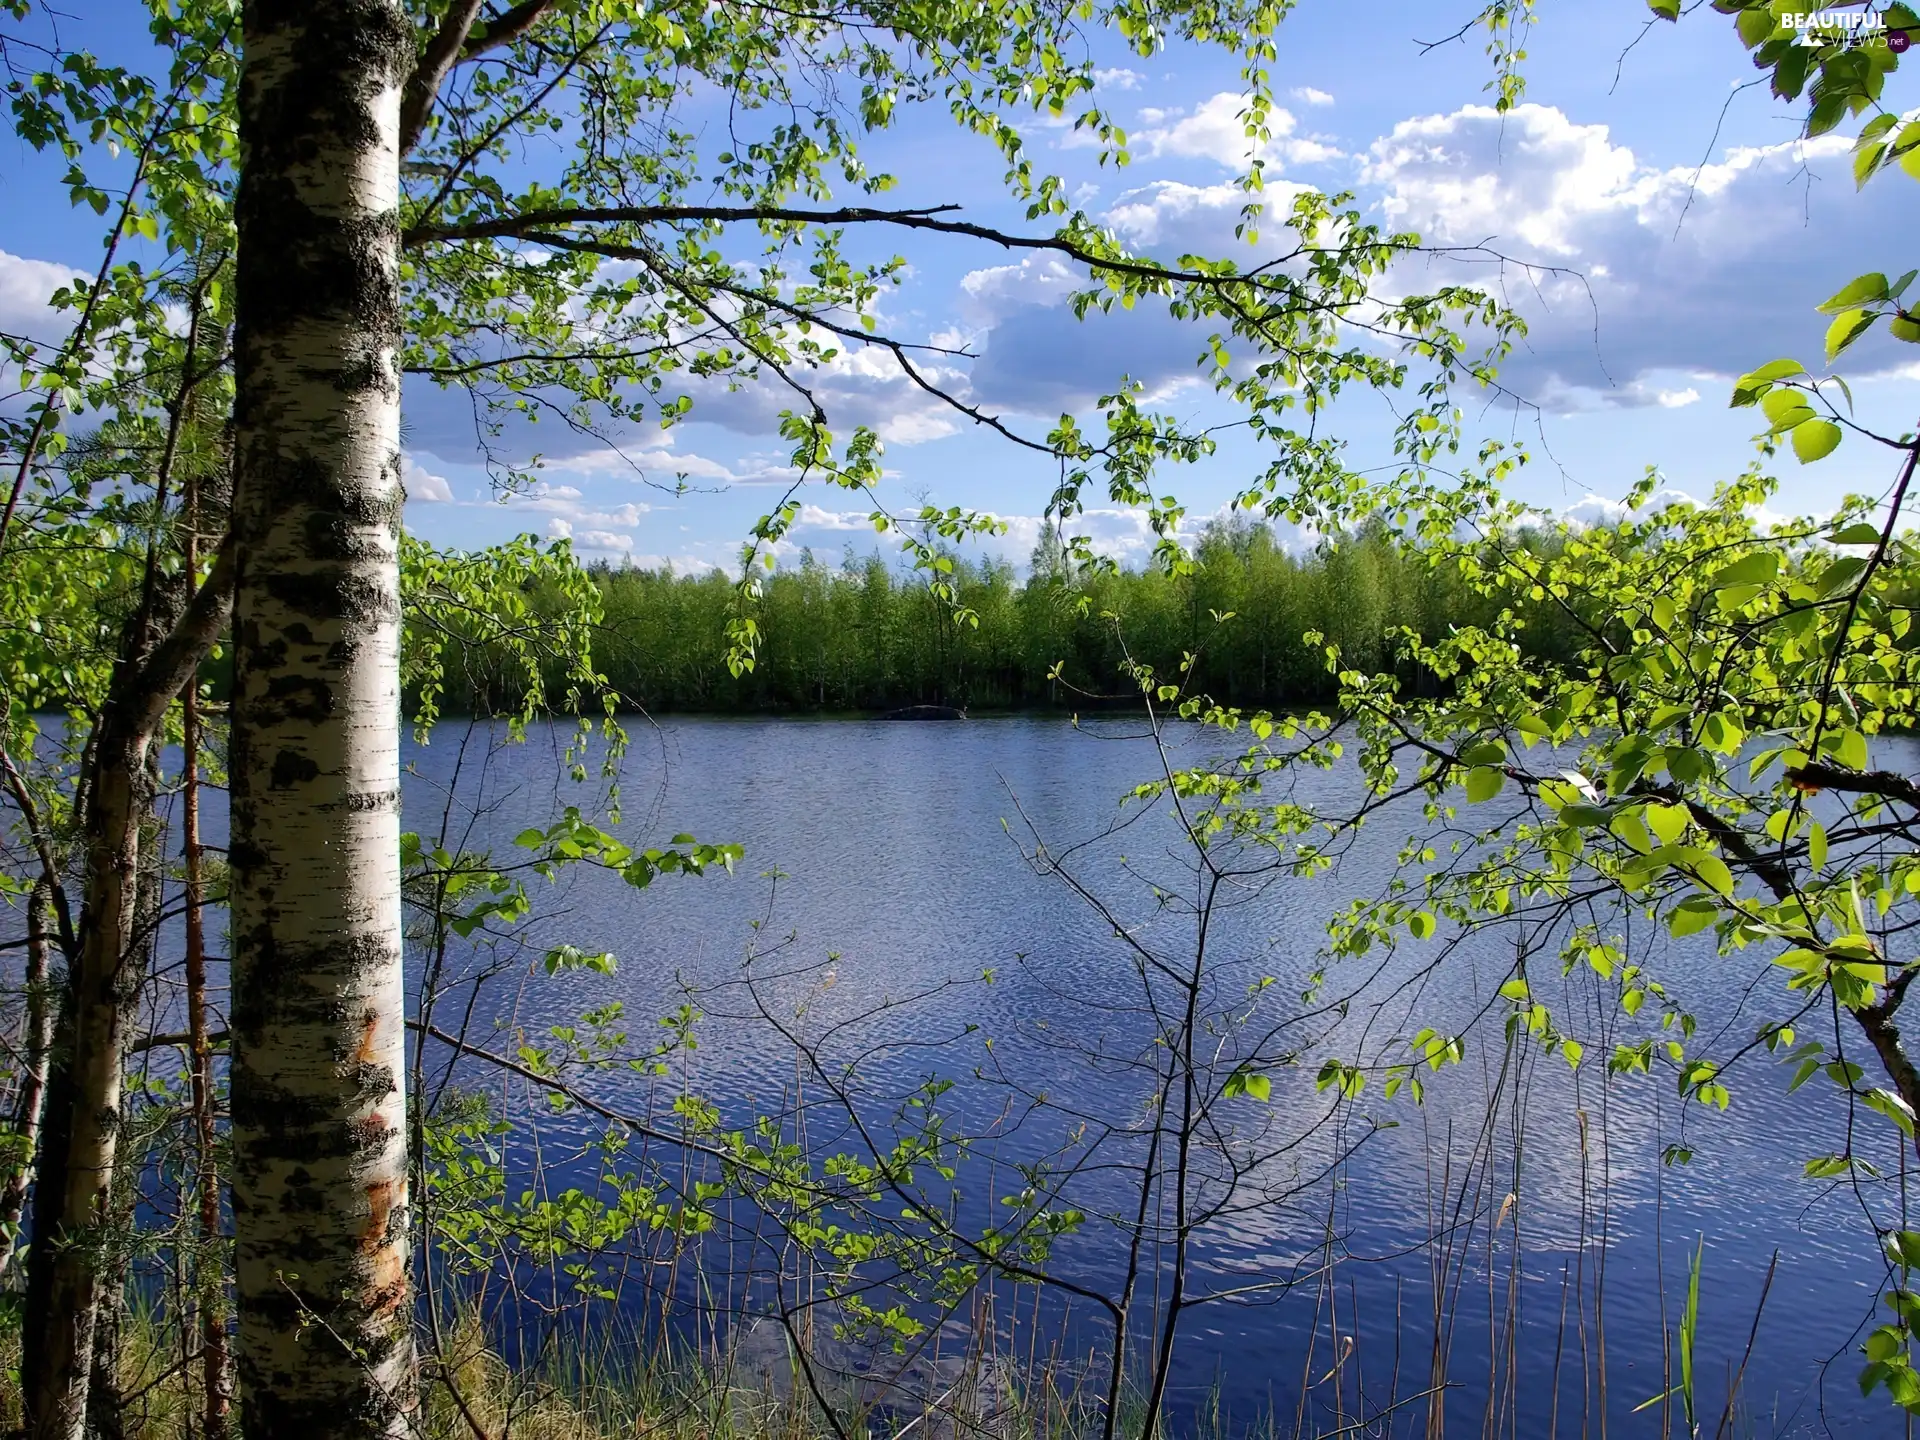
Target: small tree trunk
x=209, y=1272
x=38, y=1043
x=106, y=1417
x=74, y=1229
x=318, y=1015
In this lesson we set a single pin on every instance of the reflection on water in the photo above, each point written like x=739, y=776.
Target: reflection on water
x=883, y=846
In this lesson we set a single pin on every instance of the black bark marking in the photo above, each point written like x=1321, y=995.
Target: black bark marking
x=291, y=768
x=298, y=697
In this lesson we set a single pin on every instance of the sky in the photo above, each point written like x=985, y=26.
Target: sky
x=1682, y=234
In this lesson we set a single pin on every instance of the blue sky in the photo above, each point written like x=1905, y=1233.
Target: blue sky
x=1694, y=256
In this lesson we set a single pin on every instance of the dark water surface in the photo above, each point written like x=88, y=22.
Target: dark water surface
x=892, y=858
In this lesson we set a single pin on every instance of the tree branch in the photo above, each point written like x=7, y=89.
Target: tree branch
x=504, y=29
x=441, y=55
x=1816, y=775
x=518, y=225
x=175, y=658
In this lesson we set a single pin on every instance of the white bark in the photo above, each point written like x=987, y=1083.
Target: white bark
x=318, y=1024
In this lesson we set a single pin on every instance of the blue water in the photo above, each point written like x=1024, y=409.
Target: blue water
x=880, y=884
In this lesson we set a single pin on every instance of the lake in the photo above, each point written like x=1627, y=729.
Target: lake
x=885, y=877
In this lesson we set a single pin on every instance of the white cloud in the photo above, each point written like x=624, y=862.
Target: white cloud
x=864, y=384
x=1536, y=176
x=816, y=517
x=651, y=457
x=423, y=485
x=1178, y=218
x=1307, y=95
x=1216, y=130
x=603, y=540
x=999, y=290
x=1703, y=272
x=25, y=288
x=916, y=427
x=1599, y=512
x=1118, y=78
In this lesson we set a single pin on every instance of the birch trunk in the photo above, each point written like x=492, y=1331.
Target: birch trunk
x=33, y=1079
x=318, y=1024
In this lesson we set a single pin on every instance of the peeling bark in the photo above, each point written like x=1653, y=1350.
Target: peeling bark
x=318, y=1022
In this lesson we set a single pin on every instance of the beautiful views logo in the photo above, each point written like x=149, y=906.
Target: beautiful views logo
x=1845, y=27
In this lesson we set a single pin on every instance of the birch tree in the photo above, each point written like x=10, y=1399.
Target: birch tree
x=320, y=1173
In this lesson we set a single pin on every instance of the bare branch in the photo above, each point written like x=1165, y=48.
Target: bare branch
x=505, y=28
x=436, y=61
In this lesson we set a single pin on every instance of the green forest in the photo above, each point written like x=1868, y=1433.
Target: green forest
x=867, y=634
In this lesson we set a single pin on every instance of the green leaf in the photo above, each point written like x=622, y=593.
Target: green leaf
x=1846, y=329
x=1749, y=387
x=1867, y=155
x=1815, y=440
x=1780, y=406
x=1840, y=574
x=1752, y=569
x=1861, y=290
x=1714, y=874
x=1691, y=915
x=1421, y=923
x=1665, y=9
x=1484, y=782
x=1849, y=747
x=1858, y=533
x=1754, y=26
x=1669, y=822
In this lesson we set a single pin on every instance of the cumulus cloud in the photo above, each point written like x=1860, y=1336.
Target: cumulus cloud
x=1704, y=272
x=1118, y=78
x=1177, y=218
x=423, y=485
x=25, y=287
x=1000, y=290
x=1598, y=512
x=602, y=540
x=1035, y=358
x=1307, y=95
x=862, y=385
x=1216, y=130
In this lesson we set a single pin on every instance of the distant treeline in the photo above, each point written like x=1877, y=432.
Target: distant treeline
x=863, y=634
